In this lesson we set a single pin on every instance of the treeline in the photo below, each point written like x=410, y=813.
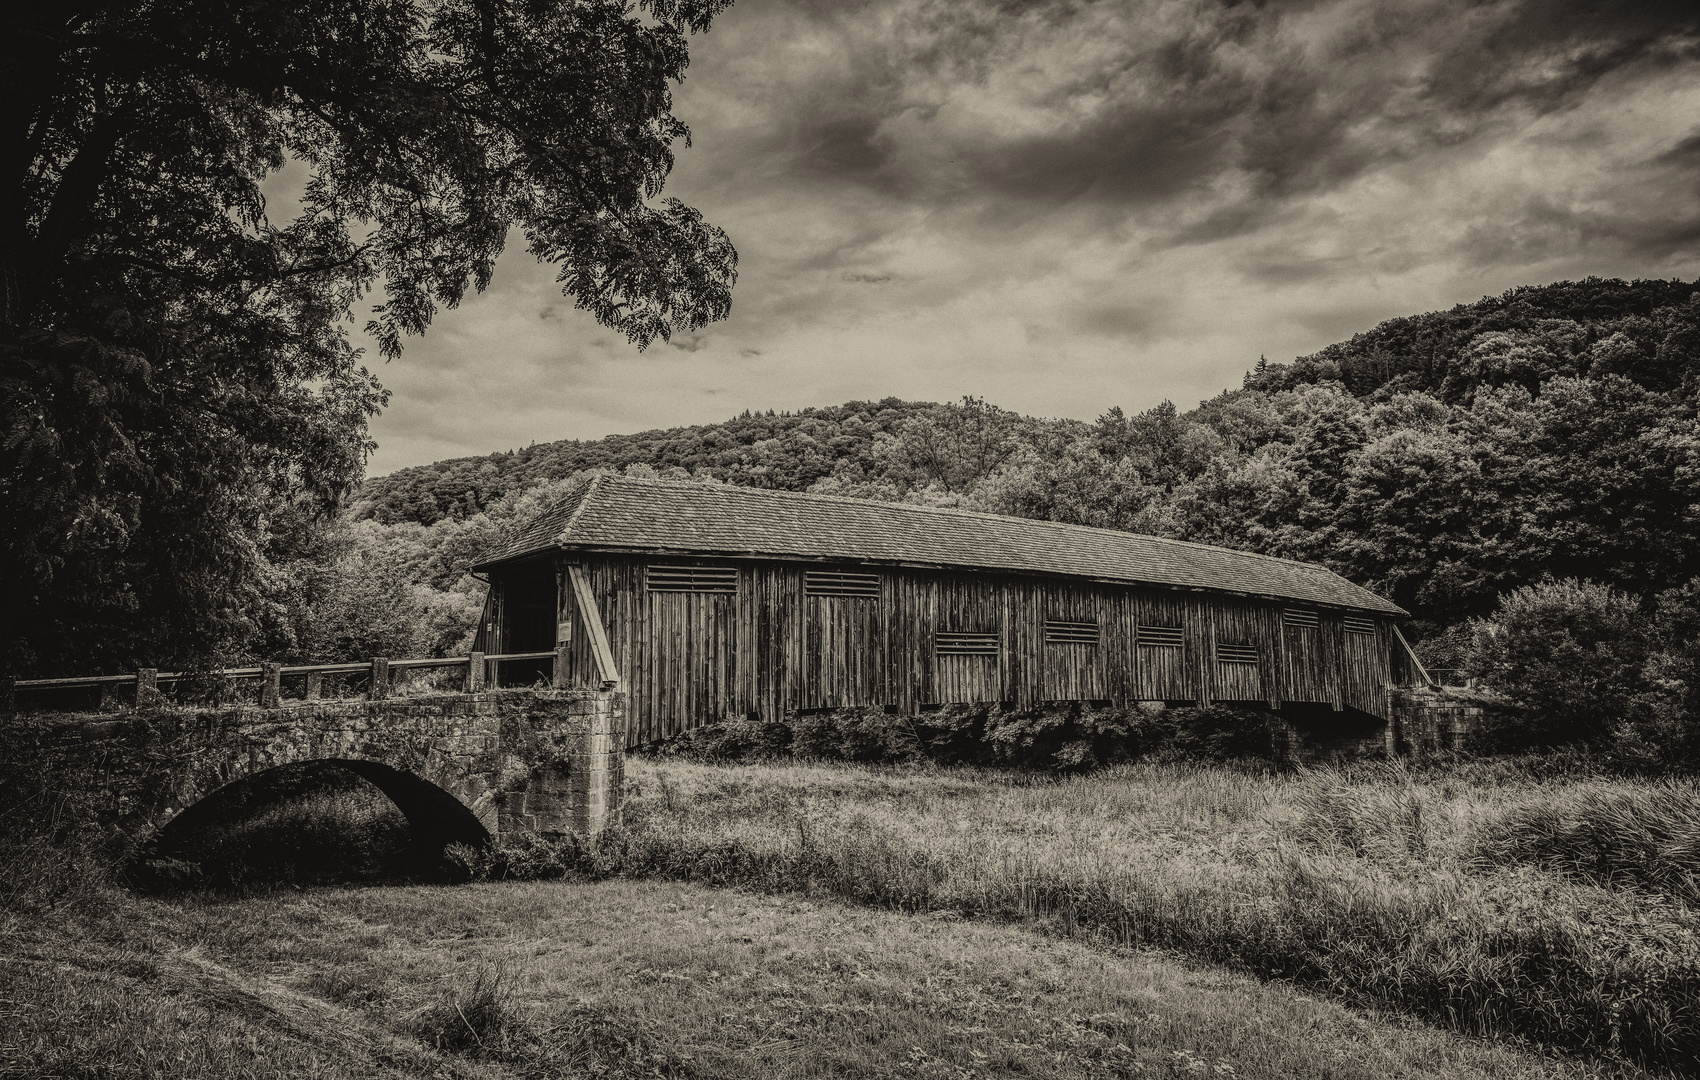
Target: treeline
x=786, y=451
x=1442, y=459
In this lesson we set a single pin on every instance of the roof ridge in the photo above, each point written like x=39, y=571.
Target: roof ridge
x=953, y=511
x=583, y=501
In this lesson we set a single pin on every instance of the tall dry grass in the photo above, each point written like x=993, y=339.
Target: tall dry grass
x=1495, y=901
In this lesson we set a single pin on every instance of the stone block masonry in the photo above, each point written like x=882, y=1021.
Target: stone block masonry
x=461, y=767
x=1420, y=718
x=1433, y=718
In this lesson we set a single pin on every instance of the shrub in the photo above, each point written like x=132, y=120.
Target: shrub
x=1220, y=733
x=1663, y=730
x=741, y=739
x=1072, y=736
x=867, y=734
x=954, y=734
x=518, y=856
x=1568, y=655
x=1059, y=736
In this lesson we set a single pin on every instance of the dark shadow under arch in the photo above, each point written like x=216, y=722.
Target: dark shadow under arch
x=321, y=821
x=435, y=816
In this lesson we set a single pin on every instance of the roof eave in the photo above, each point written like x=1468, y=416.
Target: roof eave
x=1386, y=607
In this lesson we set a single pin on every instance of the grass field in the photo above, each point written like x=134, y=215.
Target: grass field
x=794, y=920
x=651, y=979
x=1485, y=896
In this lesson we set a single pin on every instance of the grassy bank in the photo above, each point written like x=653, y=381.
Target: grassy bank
x=1487, y=897
x=651, y=979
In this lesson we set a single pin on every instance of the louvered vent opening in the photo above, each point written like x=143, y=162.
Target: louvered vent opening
x=832, y=583
x=1301, y=620
x=951, y=643
x=698, y=579
x=1236, y=652
x=1162, y=637
x=1064, y=632
x=1357, y=624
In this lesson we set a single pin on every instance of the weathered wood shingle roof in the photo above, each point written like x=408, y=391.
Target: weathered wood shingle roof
x=613, y=513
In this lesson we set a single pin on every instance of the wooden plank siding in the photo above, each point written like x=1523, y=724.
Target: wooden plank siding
x=1162, y=673
x=1366, y=670
x=767, y=647
x=1239, y=622
x=1309, y=659
x=1069, y=671
x=966, y=604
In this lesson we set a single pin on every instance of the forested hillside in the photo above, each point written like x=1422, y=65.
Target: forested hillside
x=789, y=451
x=1442, y=459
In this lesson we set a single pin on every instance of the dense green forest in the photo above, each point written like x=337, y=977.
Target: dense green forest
x=1442, y=459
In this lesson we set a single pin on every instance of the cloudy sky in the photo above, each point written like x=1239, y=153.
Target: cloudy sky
x=1063, y=206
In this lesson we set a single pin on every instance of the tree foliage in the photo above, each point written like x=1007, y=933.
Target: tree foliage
x=1570, y=653
x=175, y=367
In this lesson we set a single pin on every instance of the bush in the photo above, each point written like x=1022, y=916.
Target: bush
x=1567, y=655
x=869, y=735
x=1061, y=736
x=742, y=739
x=1663, y=731
x=518, y=856
x=1220, y=733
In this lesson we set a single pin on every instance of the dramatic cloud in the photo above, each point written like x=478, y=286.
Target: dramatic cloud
x=1064, y=206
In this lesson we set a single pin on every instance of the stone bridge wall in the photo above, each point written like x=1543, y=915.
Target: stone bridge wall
x=1433, y=718
x=1421, y=718
x=549, y=761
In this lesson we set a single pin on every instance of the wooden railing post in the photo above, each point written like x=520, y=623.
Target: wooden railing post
x=380, y=688
x=271, y=685
x=315, y=686
x=475, y=673
x=147, y=688
x=9, y=695
x=560, y=673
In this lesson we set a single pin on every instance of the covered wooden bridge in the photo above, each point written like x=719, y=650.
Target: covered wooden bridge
x=709, y=601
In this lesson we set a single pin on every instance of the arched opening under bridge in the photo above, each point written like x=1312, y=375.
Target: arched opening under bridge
x=320, y=821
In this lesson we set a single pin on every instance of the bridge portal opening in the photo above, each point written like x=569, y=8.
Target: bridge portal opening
x=332, y=821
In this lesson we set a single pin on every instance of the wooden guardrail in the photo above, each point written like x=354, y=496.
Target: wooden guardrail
x=481, y=670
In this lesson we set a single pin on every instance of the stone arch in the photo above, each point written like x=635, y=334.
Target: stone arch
x=435, y=817
x=414, y=769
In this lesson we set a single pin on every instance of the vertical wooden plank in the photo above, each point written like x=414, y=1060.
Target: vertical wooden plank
x=743, y=630
x=1269, y=653
x=1201, y=648
x=587, y=620
x=1337, y=660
